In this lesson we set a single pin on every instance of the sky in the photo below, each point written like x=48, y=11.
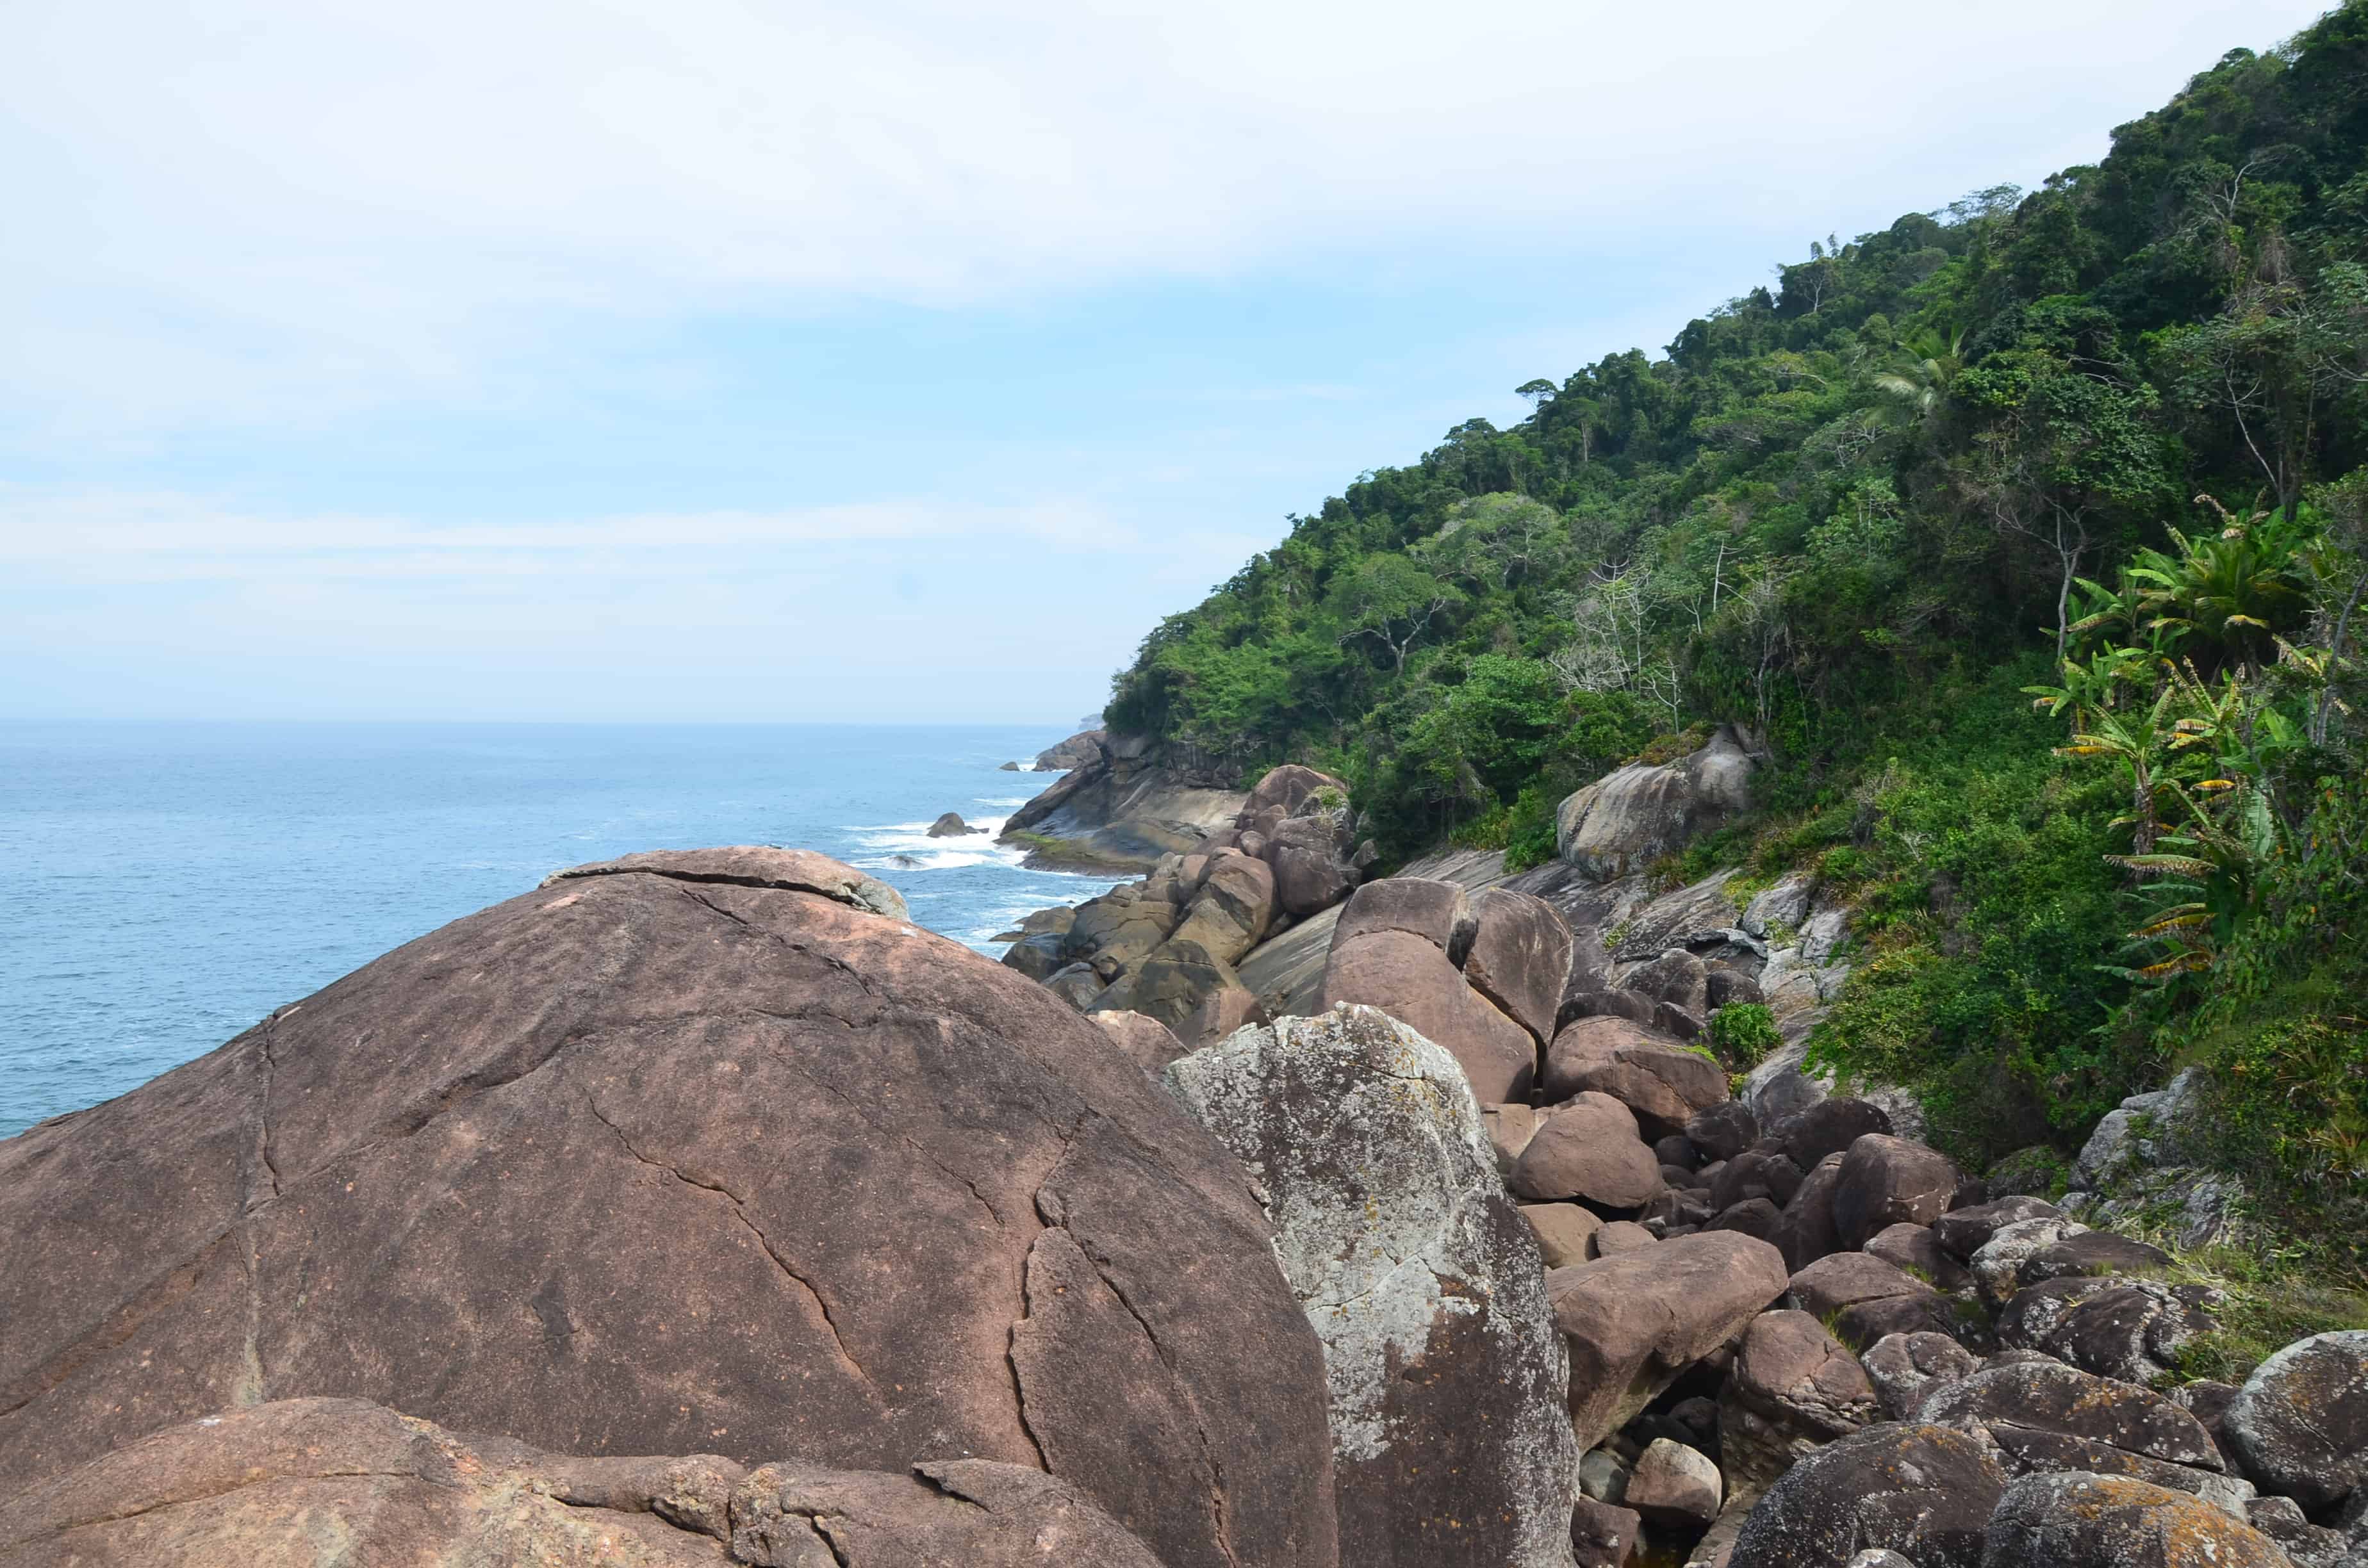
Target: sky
x=901, y=360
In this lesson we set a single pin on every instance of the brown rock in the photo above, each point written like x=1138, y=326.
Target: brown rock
x=1829, y=1127
x=1565, y=1232
x=1510, y=1129
x=314, y=1481
x=1623, y=1235
x=1674, y=1485
x=1661, y=1081
x=1635, y=1321
x=1312, y=872
x=1148, y=1043
x=1676, y=977
x=1587, y=1149
x=1888, y=1181
x=1287, y=788
x=642, y=1161
x=1410, y=979
x=1807, y=1233
x=1912, y=1251
x=1794, y=1388
x=1602, y=1534
x=1231, y=909
x=1723, y=1131
x=1865, y=1298
x=1439, y=913
x=2129, y=1329
x=1520, y=957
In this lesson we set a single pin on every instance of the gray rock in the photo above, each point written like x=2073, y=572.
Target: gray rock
x=1602, y=1476
x=1965, y=1232
x=1780, y=909
x=1904, y=1368
x=2305, y=1545
x=1396, y=1233
x=2300, y=1424
x=1676, y=977
x=1996, y=1267
x=1924, y=1491
x=2110, y=1521
x=1627, y=820
x=1636, y=1320
x=2129, y=1329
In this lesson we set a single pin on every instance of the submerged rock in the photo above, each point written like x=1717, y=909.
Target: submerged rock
x=1448, y=1380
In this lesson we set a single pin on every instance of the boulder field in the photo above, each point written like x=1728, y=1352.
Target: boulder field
x=697, y=1207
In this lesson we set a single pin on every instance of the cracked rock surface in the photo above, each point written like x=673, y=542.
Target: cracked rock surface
x=313, y=1481
x=692, y=1154
x=1451, y=1445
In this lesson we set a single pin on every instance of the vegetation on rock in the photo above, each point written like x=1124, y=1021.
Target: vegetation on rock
x=1872, y=511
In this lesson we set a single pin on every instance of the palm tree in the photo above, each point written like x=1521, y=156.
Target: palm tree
x=1920, y=379
x=2231, y=591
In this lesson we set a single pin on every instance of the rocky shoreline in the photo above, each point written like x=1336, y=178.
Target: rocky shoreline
x=697, y=1208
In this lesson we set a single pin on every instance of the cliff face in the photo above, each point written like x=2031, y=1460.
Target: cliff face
x=1123, y=808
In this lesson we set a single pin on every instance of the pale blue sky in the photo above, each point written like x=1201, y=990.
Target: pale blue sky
x=903, y=361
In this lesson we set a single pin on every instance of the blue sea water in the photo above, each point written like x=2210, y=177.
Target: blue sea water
x=164, y=886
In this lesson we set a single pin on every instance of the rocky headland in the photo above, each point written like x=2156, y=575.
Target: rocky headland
x=696, y=1207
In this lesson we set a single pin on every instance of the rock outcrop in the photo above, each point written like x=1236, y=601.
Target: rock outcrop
x=682, y=1153
x=950, y=825
x=1124, y=810
x=1080, y=750
x=1623, y=822
x=314, y=1481
x=1451, y=1441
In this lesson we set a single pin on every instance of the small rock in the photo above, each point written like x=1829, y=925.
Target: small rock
x=1963, y=1232
x=1997, y=1266
x=1904, y=1368
x=1602, y=1477
x=1588, y=1150
x=1565, y=1232
x=1602, y=1534
x=950, y=825
x=1674, y=1485
x=1912, y=1250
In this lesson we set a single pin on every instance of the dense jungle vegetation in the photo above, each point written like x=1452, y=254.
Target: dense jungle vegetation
x=2030, y=535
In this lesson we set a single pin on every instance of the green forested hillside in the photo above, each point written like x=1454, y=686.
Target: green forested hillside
x=1928, y=515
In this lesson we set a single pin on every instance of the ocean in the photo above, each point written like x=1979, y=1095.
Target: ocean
x=162, y=886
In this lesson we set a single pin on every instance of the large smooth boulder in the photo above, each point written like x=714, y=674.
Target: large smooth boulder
x=1627, y=820
x=2300, y=1424
x=1451, y=1443
x=1635, y=1319
x=1674, y=1483
x=1923, y=1491
x=1148, y=1043
x=300, y=1483
x=1313, y=866
x=2110, y=1521
x=1587, y=1150
x=1664, y=1083
x=677, y=1154
x=1520, y=957
x=1888, y=1181
x=1399, y=944
x=1794, y=1388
